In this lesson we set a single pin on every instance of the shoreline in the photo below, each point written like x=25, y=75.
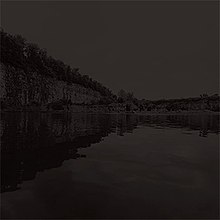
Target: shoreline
x=126, y=113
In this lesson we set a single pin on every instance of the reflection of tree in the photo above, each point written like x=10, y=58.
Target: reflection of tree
x=206, y=123
x=34, y=142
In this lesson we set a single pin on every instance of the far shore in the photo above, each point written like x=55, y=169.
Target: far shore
x=178, y=113
x=206, y=112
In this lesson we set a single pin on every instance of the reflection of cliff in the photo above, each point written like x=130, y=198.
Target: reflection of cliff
x=24, y=165
x=35, y=142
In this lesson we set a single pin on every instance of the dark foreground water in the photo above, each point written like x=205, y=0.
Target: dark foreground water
x=109, y=166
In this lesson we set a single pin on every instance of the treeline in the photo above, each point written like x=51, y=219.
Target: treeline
x=203, y=102
x=20, y=54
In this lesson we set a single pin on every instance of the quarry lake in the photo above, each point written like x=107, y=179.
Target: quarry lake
x=67, y=165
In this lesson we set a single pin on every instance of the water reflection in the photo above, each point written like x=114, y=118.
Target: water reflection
x=34, y=142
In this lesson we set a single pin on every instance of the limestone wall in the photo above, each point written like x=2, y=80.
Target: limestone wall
x=20, y=89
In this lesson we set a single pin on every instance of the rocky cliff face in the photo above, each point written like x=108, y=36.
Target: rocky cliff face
x=19, y=89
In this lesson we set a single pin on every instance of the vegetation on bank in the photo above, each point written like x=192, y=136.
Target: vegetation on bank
x=16, y=52
x=32, y=73
x=204, y=102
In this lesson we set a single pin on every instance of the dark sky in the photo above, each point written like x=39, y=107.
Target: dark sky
x=155, y=49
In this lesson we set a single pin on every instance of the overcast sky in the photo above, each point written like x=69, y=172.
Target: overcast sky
x=155, y=49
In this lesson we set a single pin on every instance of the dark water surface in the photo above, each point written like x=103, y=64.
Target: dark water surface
x=109, y=166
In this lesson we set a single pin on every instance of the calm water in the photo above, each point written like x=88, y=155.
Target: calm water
x=109, y=166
